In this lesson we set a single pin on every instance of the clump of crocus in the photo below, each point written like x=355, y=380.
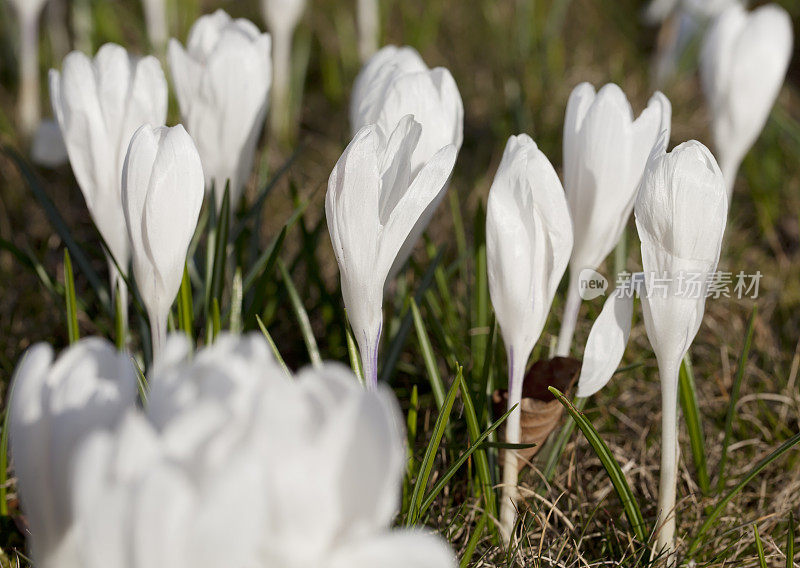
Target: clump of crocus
x=605, y=152
x=374, y=200
x=394, y=83
x=681, y=212
x=528, y=244
x=162, y=192
x=742, y=66
x=222, y=81
x=221, y=468
x=99, y=103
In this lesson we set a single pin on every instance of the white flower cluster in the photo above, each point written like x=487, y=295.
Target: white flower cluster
x=229, y=462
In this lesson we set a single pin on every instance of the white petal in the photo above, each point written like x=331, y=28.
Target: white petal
x=399, y=549
x=606, y=343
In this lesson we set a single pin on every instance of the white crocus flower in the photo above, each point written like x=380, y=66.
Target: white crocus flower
x=99, y=104
x=54, y=406
x=47, y=148
x=282, y=17
x=374, y=200
x=742, y=66
x=528, y=245
x=28, y=14
x=605, y=152
x=162, y=192
x=681, y=213
x=211, y=482
x=394, y=83
x=222, y=81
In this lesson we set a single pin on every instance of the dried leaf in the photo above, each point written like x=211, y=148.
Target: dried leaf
x=541, y=412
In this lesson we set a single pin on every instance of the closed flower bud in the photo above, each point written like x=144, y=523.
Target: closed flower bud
x=681, y=212
x=742, y=66
x=54, y=407
x=528, y=245
x=222, y=80
x=374, y=200
x=99, y=104
x=605, y=152
x=162, y=192
x=395, y=82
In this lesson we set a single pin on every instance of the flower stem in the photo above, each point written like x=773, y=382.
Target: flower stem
x=368, y=28
x=158, y=335
x=665, y=525
x=570, y=319
x=29, y=108
x=281, y=113
x=368, y=347
x=508, y=507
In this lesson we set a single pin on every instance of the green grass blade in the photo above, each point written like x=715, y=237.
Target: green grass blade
x=397, y=342
x=266, y=261
x=473, y=541
x=557, y=449
x=481, y=459
x=694, y=425
x=4, y=463
x=428, y=356
x=752, y=474
x=69, y=297
x=735, y=389
x=274, y=347
x=236, y=302
x=352, y=352
x=120, y=321
x=430, y=452
x=221, y=247
x=185, y=306
x=216, y=320
x=611, y=466
x=302, y=316
x=63, y=230
x=789, y=541
x=759, y=547
x=480, y=323
x=451, y=471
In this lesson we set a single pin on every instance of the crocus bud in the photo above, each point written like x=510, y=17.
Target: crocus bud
x=742, y=67
x=222, y=81
x=374, y=200
x=605, y=152
x=54, y=406
x=282, y=17
x=681, y=211
x=396, y=82
x=528, y=245
x=99, y=104
x=28, y=14
x=162, y=192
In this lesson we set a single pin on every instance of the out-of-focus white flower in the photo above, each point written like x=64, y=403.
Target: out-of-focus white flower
x=681, y=212
x=177, y=484
x=282, y=17
x=162, y=192
x=222, y=81
x=54, y=406
x=48, y=148
x=28, y=13
x=605, y=152
x=528, y=245
x=396, y=82
x=742, y=66
x=99, y=104
x=374, y=200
